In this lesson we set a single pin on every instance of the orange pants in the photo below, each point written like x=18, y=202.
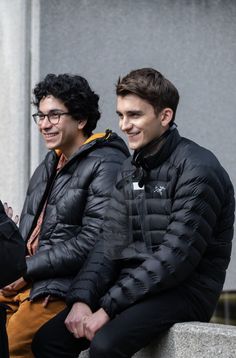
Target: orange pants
x=24, y=318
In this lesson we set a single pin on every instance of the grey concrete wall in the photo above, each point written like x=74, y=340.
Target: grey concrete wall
x=192, y=42
x=14, y=103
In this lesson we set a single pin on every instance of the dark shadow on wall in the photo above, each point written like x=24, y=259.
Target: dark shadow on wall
x=225, y=312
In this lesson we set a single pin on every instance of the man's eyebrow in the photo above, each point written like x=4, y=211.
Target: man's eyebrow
x=52, y=110
x=134, y=111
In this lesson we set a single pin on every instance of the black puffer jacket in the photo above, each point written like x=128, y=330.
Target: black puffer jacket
x=77, y=198
x=174, y=231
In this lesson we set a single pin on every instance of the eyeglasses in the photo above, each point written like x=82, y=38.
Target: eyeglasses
x=53, y=117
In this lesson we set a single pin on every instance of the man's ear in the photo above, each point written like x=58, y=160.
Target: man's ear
x=166, y=117
x=82, y=123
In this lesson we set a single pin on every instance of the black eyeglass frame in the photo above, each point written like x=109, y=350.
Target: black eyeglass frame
x=39, y=117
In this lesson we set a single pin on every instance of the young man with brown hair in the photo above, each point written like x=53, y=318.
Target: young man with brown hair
x=166, y=239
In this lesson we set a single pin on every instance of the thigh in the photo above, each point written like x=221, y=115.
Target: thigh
x=23, y=324
x=3, y=336
x=10, y=303
x=138, y=325
x=54, y=340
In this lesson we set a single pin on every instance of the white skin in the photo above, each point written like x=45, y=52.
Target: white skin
x=138, y=120
x=67, y=136
x=9, y=212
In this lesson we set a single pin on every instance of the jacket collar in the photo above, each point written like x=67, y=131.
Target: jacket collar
x=92, y=139
x=108, y=139
x=157, y=151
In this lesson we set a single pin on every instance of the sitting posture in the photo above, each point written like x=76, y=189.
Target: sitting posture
x=65, y=204
x=166, y=239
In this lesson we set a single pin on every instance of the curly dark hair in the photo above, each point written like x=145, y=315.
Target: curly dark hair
x=76, y=94
x=151, y=86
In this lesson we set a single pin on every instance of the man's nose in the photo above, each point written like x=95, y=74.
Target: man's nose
x=125, y=124
x=45, y=123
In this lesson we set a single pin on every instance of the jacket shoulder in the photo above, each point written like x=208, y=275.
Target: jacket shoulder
x=191, y=154
x=195, y=163
x=114, y=149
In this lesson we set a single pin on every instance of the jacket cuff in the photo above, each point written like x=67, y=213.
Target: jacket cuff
x=109, y=307
x=26, y=275
x=73, y=298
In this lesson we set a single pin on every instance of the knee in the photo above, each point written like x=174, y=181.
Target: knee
x=101, y=347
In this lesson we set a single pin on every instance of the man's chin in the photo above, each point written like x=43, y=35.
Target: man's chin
x=51, y=146
x=134, y=146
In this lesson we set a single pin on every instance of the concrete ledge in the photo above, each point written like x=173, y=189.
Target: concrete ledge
x=191, y=340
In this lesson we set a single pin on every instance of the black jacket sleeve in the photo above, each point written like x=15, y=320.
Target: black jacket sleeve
x=94, y=279
x=12, y=250
x=102, y=266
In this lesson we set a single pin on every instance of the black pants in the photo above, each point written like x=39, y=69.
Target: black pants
x=4, y=353
x=121, y=337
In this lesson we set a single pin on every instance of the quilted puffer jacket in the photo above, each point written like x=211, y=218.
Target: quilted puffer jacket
x=77, y=197
x=170, y=223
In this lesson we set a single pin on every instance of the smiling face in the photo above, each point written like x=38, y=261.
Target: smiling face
x=67, y=135
x=139, y=122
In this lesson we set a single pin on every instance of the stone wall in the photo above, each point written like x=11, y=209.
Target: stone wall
x=191, y=340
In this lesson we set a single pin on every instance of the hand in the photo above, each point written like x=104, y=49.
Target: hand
x=76, y=318
x=49, y=299
x=13, y=288
x=9, y=212
x=94, y=322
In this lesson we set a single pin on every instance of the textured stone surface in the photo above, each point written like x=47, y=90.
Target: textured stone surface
x=204, y=340
x=192, y=340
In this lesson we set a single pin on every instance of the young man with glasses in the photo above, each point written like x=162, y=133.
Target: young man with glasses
x=166, y=239
x=65, y=204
